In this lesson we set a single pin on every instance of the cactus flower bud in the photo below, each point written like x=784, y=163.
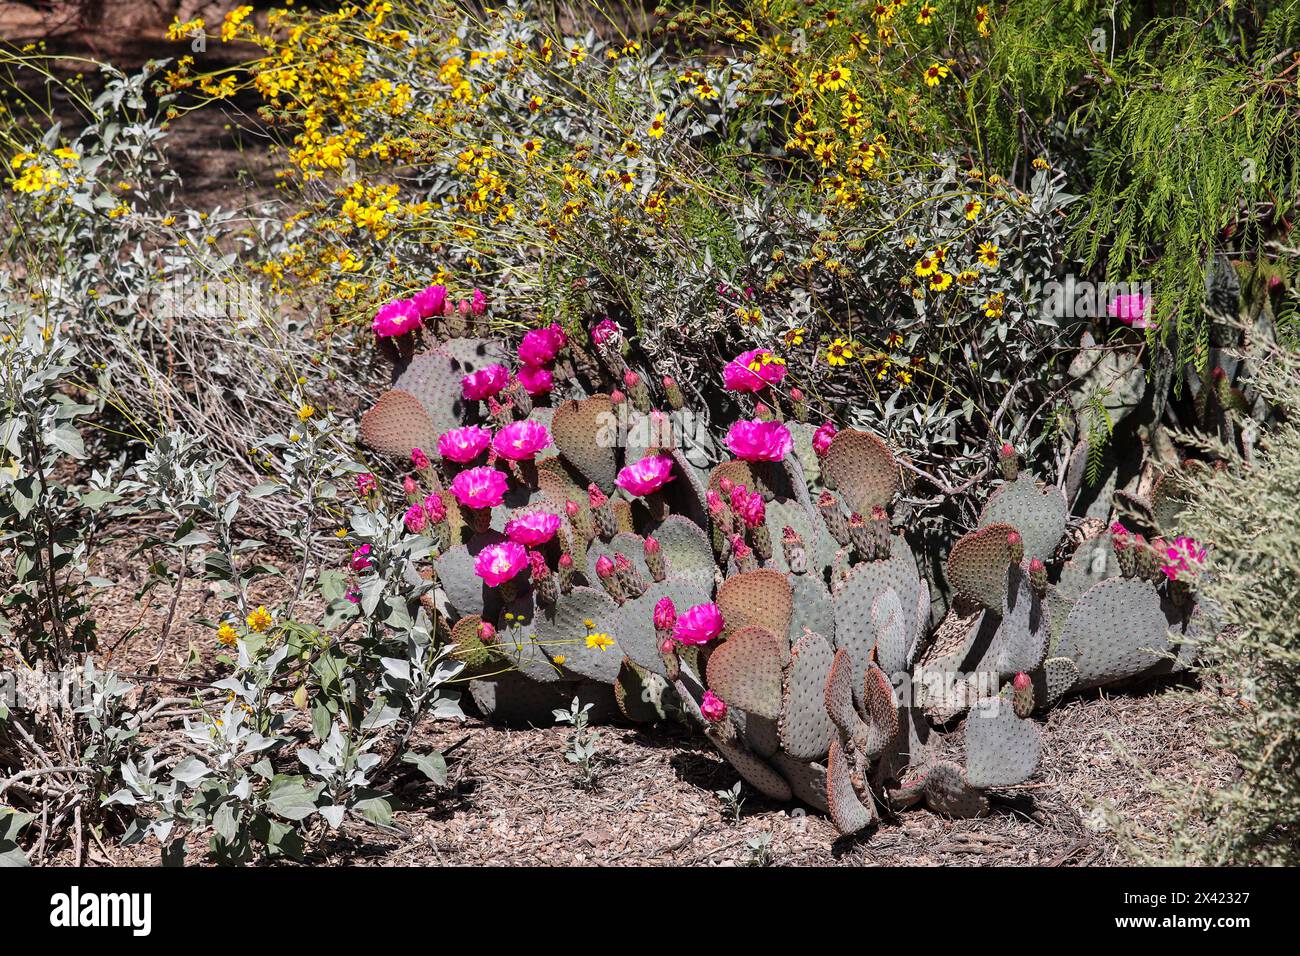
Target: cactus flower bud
x=654, y=559
x=1008, y=461
x=618, y=396
x=665, y=614
x=1016, y=547
x=411, y=487
x=1038, y=577
x=486, y=632
x=596, y=497
x=829, y=508
x=604, y=567
x=631, y=379
x=419, y=459
x=725, y=485
x=1022, y=695
x=713, y=707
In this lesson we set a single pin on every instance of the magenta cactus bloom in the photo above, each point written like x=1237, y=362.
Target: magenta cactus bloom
x=604, y=330
x=537, y=568
x=713, y=707
x=486, y=632
x=361, y=559
x=478, y=302
x=533, y=528
x=1021, y=681
x=714, y=502
x=463, y=445
x=485, y=383
x=595, y=497
x=1134, y=310
x=604, y=567
x=410, y=486
x=753, y=371
x=1184, y=556
x=521, y=441
x=419, y=459
x=481, y=487
x=648, y=475
x=540, y=346
x=751, y=508
x=699, y=625
x=430, y=301
x=651, y=545
x=759, y=440
x=822, y=438
x=665, y=614
x=535, y=379
x=366, y=484
x=435, y=508
x=415, y=519
x=396, y=318
x=498, y=563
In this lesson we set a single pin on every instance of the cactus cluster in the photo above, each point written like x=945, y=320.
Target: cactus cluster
x=773, y=598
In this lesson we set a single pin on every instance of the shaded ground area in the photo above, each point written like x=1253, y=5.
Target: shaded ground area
x=512, y=798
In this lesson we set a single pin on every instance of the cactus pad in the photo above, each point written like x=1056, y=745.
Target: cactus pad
x=1002, y=749
x=1059, y=675
x=1115, y=630
x=561, y=632
x=753, y=770
x=584, y=433
x=466, y=644
x=948, y=794
x=854, y=596
x=745, y=671
x=630, y=545
x=688, y=555
x=891, y=639
x=863, y=469
x=812, y=609
x=760, y=598
x=847, y=810
x=807, y=780
x=1037, y=513
x=396, y=424
x=1093, y=561
x=977, y=565
x=434, y=379
x=837, y=695
x=805, y=727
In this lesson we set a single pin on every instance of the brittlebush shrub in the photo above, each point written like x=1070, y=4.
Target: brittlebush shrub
x=1248, y=510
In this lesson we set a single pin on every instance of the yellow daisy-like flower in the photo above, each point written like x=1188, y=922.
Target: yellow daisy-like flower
x=903, y=377
x=559, y=660
x=967, y=277
x=983, y=22
x=839, y=353
x=894, y=340
x=794, y=337
x=305, y=412
x=988, y=254
x=832, y=79
x=657, y=127
x=993, y=307
x=927, y=266
x=925, y=16
x=1040, y=163
x=941, y=282
x=259, y=620
x=227, y=635
x=530, y=148
x=588, y=623
x=934, y=73
x=602, y=641
x=973, y=209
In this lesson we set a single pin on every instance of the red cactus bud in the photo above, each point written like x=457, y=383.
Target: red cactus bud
x=1006, y=451
x=878, y=513
x=571, y=508
x=618, y=396
x=796, y=395
x=665, y=614
x=762, y=411
x=1036, y=566
x=631, y=379
x=486, y=632
x=669, y=382
x=1013, y=538
x=714, y=501
x=739, y=548
x=537, y=565
x=595, y=496
x=789, y=534
x=725, y=485
x=604, y=567
x=566, y=561
x=667, y=646
x=651, y=545
x=1021, y=681
x=825, y=500
x=621, y=563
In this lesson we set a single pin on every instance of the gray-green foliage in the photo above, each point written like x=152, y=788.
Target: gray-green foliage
x=1248, y=513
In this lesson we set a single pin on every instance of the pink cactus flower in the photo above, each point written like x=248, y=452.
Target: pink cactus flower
x=485, y=383
x=595, y=497
x=486, y=632
x=410, y=486
x=751, y=508
x=396, y=318
x=631, y=379
x=759, y=441
x=463, y=445
x=604, y=330
x=521, y=441
x=650, y=545
x=699, y=625
x=648, y=475
x=665, y=614
x=714, y=502
x=823, y=437
x=478, y=302
x=533, y=528
x=416, y=520
x=537, y=568
x=419, y=459
x=617, y=396
x=540, y=346
x=430, y=302
x=535, y=379
x=604, y=567
x=435, y=508
x=571, y=508
x=366, y=484
x=713, y=707
x=1185, y=556
x=481, y=487
x=498, y=563
x=753, y=371
x=361, y=559
x=1134, y=310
